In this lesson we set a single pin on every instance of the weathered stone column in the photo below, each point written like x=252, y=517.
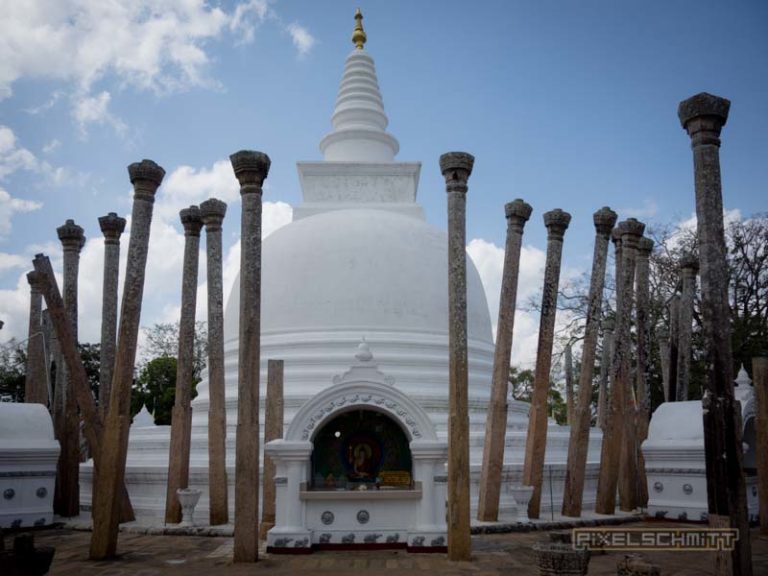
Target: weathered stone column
x=604, y=220
x=273, y=429
x=760, y=382
x=619, y=433
x=456, y=168
x=212, y=212
x=251, y=168
x=146, y=177
x=112, y=226
x=662, y=335
x=36, y=382
x=629, y=483
x=67, y=496
x=570, y=403
x=517, y=212
x=556, y=222
x=51, y=355
x=703, y=116
x=674, y=345
x=689, y=267
x=605, y=367
x=642, y=327
x=181, y=419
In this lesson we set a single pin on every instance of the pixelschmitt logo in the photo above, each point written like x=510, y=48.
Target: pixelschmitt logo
x=683, y=539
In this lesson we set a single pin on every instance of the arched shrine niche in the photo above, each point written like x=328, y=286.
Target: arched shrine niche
x=361, y=449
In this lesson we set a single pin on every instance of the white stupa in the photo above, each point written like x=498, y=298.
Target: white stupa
x=358, y=262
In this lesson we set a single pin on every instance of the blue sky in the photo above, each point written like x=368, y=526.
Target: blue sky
x=565, y=104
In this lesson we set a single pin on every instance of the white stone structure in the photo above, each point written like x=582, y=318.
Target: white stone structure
x=674, y=457
x=358, y=261
x=28, y=456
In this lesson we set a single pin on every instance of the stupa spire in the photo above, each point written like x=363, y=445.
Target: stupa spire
x=358, y=36
x=359, y=121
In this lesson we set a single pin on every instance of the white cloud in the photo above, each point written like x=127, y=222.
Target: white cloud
x=89, y=110
x=51, y=146
x=302, y=39
x=12, y=261
x=149, y=45
x=10, y=206
x=12, y=156
x=187, y=185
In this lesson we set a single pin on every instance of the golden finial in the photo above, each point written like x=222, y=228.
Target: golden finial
x=358, y=36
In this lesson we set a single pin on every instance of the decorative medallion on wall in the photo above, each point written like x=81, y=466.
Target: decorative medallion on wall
x=327, y=517
x=9, y=493
x=363, y=516
x=42, y=492
x=658, y=486
x=687, y=488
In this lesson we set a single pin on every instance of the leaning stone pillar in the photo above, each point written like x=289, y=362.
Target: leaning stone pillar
x=112, y=226
x=517, y=212
x=181, y=419
x=569, y=398
x=614, y=442
x=662, y=335
x=456, y=168
x=760, y=382
x=642, y=328
x=273, y=429
x=146, y=177
x=556, y=222
x=702, y=117
x=35, y=382
x=689, y=266
x=67, y=496
x=604, y=220
x=212, y=212
x=605, y=367
x=251, y=169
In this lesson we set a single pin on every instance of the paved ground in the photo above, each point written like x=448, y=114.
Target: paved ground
x=508, y=554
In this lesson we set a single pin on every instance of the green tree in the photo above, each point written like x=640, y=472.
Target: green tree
x=162, y=339
x=13, y=361
x=521, y=388
x=155, y=388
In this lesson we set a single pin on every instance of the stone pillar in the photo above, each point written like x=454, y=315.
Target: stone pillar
x=662, y=335
x=517, y=212
x=67, y=495
x=112, y=226
x=556, y=222
x=181, y=419
x=212, y=212
x=619, y=433
x=689, y=267
x=568, y=369
x=251, y=169
x=760, y=382
x=702, y=117
x=674, y=345
x=456, y=168
x=642, y=327
x=273, y=429
x=604, y=220
x=36, y=382
x=605, y=367
x=146, y=177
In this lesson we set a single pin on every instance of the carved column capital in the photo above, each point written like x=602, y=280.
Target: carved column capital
x=71, y=236
x=605, y=220
x=251, y=169
x=112, y=226
x=557, y=222
x=689, y=264
x=146, y=177
x=191, y=220
x=212, y=212
x=456, y=167
x=703, y=116
x=645, y=247
x=631, y=230
x=517, y=212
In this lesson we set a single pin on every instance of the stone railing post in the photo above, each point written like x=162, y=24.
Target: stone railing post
x=604, y=220
x=702, y=117
x=517, y=212
x=456, y=168
x=112, y=226
x=251, y=169
x=212, y=212
x=557, y=223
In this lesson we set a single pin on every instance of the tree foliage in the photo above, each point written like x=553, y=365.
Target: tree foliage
x=162, y=339
x=13, y=361
x=155, y=388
